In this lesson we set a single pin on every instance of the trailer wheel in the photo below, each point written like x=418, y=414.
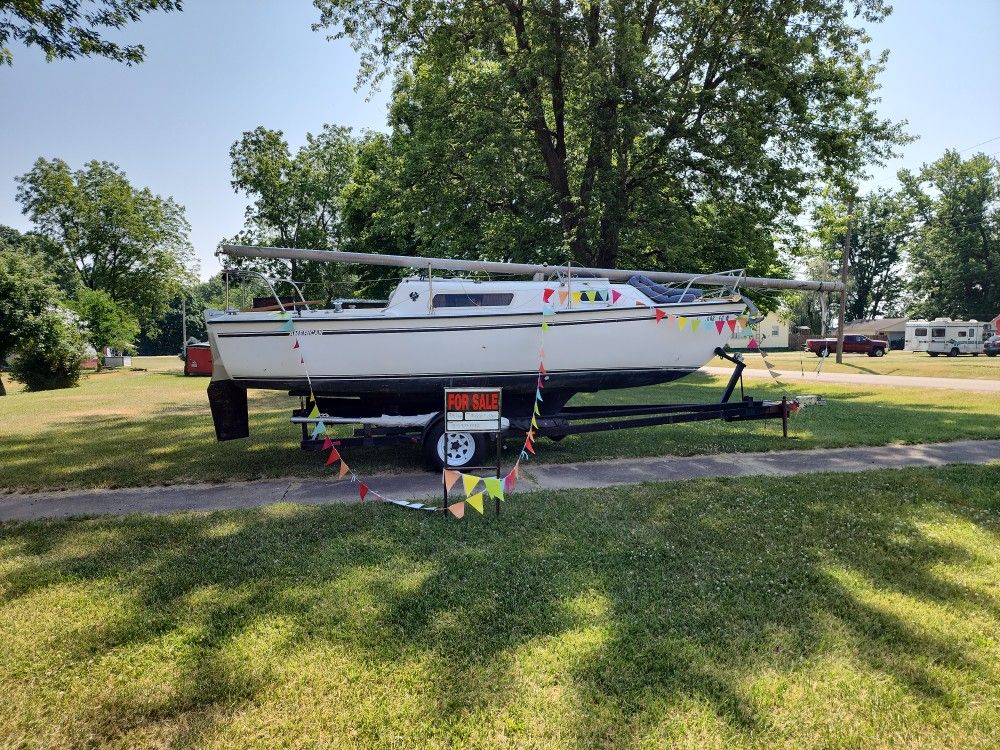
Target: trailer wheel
x=464, y=448
x=954, y=352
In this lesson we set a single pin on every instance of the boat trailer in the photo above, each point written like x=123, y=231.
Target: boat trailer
x=570, y=420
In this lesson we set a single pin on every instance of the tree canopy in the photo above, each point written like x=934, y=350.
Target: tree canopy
x=66, y=29
x=955, y=253
x=119, y=239
x=682, y=134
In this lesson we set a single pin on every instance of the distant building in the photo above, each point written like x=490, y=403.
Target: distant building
x=772, y=333
x=892, y=330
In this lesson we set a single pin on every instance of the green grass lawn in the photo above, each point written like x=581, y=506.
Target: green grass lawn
x=893, y=363
x=132, y=428
x=751, y=613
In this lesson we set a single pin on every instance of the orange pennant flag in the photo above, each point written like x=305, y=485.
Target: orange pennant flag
x=562, y=296
x=344, y=469
x=457, y=509
x=660, y=315
x=450, y=477
x=541, y=368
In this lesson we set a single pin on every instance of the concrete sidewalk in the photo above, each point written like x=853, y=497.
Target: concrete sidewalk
x=427, y=486
x=969, y=385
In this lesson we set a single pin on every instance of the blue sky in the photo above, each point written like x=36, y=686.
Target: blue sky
x=225, y=66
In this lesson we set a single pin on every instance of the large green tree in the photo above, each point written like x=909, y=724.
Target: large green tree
x=119, y=239
x=612, y=133
x=295, y=198
x=66, y=29
x=955, y=252
x=880, y=230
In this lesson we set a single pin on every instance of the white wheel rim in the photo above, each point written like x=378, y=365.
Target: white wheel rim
x=461, y=448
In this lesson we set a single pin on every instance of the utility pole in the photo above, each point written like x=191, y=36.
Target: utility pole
x=184, y=326
x=843, y=281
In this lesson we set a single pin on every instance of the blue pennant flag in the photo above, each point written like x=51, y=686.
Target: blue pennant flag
x=538, y=394
x=548, y=309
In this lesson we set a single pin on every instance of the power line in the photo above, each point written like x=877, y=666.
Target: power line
x=996, y=138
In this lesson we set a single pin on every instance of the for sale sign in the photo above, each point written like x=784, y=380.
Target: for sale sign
x=472, y=409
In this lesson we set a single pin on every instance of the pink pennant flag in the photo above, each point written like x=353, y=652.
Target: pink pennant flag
x=547, y=294
x=457, y=509
x=753, y=346
x=660, y=315
x=362, y=490
x=541, y=368
x=540, y=384
x=327, y=444
x=615, y=296
x=296, y=344
x=719, y=325
x=732, y=325
x=334, y=456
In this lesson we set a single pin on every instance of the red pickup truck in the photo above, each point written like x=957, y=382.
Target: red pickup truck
x=852, y=344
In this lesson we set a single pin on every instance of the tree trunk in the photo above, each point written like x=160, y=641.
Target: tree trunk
x=3, y=388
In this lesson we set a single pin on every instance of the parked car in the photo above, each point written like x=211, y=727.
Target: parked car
x=853, y=344
x=991, y=347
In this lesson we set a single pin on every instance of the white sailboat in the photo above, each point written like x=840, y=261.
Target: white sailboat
x=603, y=332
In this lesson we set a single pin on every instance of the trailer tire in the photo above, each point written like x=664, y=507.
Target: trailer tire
x=466, y=448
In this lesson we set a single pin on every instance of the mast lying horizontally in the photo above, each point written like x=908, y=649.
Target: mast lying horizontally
x=519, y=269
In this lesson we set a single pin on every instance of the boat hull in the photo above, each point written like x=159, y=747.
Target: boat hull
x=400, y=364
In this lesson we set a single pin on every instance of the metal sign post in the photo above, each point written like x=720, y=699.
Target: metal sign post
x=475, y=410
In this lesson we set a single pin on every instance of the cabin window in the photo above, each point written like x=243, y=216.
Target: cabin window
x=920, y=332
x=937, y=333
x=961, y=334
x=496, y=299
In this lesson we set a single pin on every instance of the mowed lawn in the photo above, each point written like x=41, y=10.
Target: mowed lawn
x=752, y=613
x=132, y=428
x=893, y=363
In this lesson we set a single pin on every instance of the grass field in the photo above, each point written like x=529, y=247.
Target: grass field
x=132, y=428
x=752, y=613
x=893, y=363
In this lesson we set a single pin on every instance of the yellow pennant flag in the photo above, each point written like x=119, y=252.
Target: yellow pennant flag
x=682, y=321
x=537, y=410
x=470, y=482
x=591, y=295
x=494, y=487
x=450, y=477
x=476, y=501
x=576, y=296
x=315, y=411
x=694, y=325
x=545, y=326
x=534, y=423
x=562, y=296
x=344, y=469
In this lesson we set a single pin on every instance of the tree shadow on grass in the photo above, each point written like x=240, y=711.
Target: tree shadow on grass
x=686, y=590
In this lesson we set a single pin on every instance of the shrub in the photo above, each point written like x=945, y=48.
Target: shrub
x=48, y=356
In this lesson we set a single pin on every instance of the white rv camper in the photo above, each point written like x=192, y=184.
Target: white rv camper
x=946, y=336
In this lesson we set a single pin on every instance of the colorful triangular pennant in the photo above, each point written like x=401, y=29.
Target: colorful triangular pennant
x=537, y=410
x=493, y=488
x=547, y=309
x=591, y=295
x=344, y=469
x=615, y=296
x=296, y=346
x=547, y=294
x=719, y=325
x=752, y=345
x=538, y=394
x=577, y=296
x=327, y=444
x=534, y=423
x=660, y=315
x=545, y=326
x=694, y=325
x=287, y=327
x=562, y=296
x=362, y=490
x=319, y=429
x=682, y=321
x=334, y=456
x=457, y=509
x=469, y=482
x=476, y=501
x=450, y=477
x=732, y=325
x=314, y=412
x=541, y=368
